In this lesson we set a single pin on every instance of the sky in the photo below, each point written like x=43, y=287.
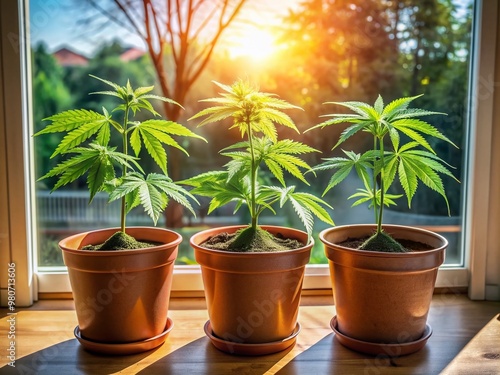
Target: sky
x=58, y=23
x=55, y=23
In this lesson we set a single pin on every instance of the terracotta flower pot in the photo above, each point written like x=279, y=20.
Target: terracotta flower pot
x=383, y=298
x=252, y=298
x=122, y=297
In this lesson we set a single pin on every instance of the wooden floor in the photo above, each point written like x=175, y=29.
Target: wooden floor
x=45, y=344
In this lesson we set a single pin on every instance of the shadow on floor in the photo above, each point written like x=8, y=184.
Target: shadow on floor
x=200, y=357
x=68, y=357
x=328, y=356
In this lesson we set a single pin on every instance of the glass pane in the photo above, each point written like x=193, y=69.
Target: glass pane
x=306, y=51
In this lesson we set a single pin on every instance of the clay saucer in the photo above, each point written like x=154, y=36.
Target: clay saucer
x=126, y=348
x=389, y=350
x=251, y=349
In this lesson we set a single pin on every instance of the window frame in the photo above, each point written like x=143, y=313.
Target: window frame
x=16, y=171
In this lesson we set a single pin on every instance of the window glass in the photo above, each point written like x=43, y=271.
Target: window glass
x=306, y=51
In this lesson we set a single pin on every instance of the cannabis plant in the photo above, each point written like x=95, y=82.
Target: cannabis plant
x=255, y=114
x=86, y=144
x=400, y=151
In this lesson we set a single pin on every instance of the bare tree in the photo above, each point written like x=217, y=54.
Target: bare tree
x=188, y=30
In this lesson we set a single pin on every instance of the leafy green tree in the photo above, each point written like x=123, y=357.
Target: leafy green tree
x=425, y=41
x=344, y=44
x=50, y=95
x=434, y=38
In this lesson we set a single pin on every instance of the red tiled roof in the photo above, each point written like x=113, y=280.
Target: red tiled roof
x=131, y=54
x=66, y=57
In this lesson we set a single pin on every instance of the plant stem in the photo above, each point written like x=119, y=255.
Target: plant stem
x=253, y=177
x=124, y=169
x=375, y=208
x=381, y=207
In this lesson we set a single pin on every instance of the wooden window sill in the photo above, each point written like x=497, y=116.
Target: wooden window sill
x=45, y=343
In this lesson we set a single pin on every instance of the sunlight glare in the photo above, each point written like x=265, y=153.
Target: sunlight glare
x=254, y=43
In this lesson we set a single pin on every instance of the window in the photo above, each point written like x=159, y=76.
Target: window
x=354, y=79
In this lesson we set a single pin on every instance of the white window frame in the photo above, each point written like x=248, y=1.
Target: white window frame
x=17, y=213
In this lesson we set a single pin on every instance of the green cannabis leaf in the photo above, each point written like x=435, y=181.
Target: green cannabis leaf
x=255, y=114
x=87, y=137
x=152, y=192
x=379, y=167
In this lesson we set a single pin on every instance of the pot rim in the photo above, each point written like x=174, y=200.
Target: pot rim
x=104, y=253
x=325, y=232
x=233, y=228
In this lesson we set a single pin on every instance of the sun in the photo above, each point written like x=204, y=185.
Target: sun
x=256, y=44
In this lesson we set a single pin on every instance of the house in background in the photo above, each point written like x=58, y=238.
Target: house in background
x=67, y=57
x=131, y=54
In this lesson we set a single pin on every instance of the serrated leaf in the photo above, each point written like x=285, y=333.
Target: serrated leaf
x=314, y=204
x=275, y=169
x=101, y=171
x=363, y=109
x=171, y=127
x=250, y=109
x=152, y=201
x=136, y=106
x=150, y=198
x=408, y=179
x=414, y=112
x=350, y=131
x=109, y=83
x=164, y=138
x=398, y=105
x=416, y=137
x=104, y=135
x=135, y=141
x=338, y=177
x=215, y=114
x=172, y=190
x=132, y=200
x=96, y=160
x=71, y=169
x=434, y=161
x=141, y=91
x=304, y=215
x=422, y=127
x=155, y=149
x=394, y=136
x=278, y=117
x=69, y=120
x=127, y=185
x=363, y=195
x=205, y=178
x=291, y=164
x=237, y=167
x=107, y=92
x=379, y=104
x=79, y=135
x=337, y=120
x=390, y=169
x=289, y=146
x=162, y=98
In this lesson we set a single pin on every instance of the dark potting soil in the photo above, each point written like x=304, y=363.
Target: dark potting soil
x=278, y=242
x=355, y=243
x=119, y=241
